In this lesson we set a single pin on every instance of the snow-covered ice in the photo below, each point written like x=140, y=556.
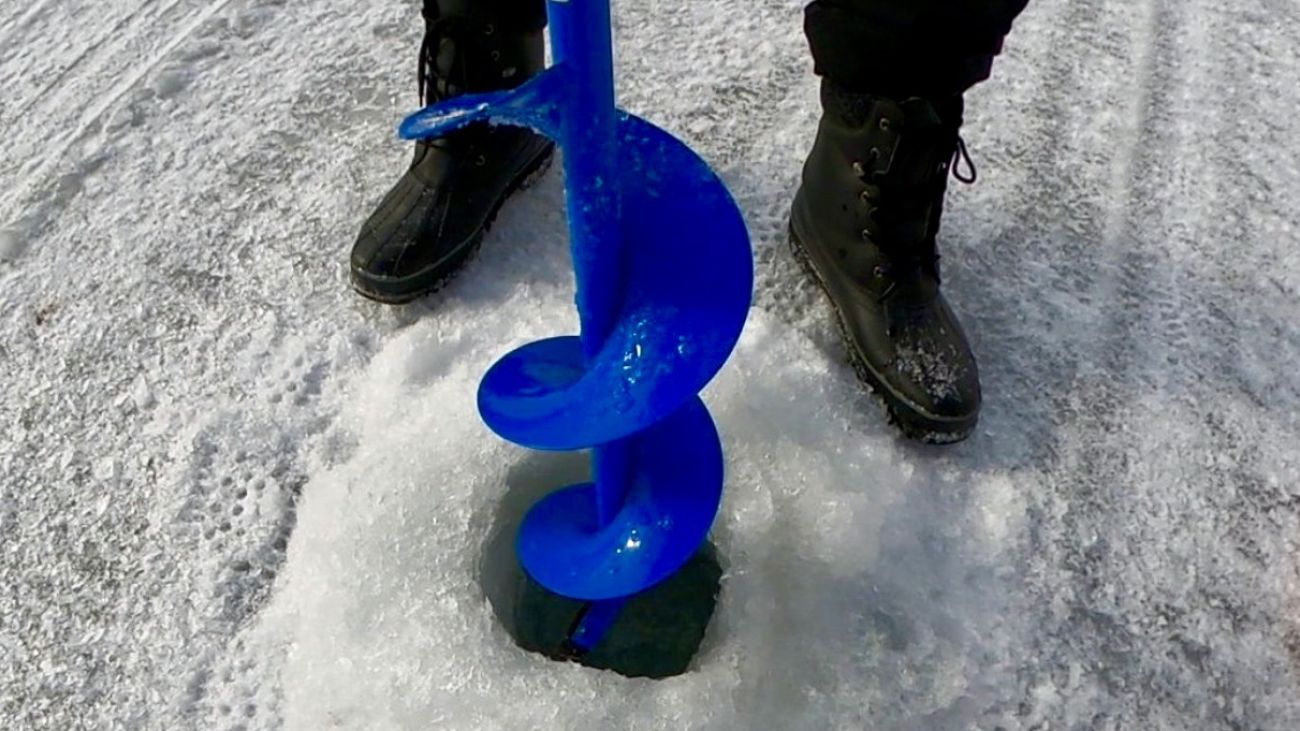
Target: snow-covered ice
x=237, y=496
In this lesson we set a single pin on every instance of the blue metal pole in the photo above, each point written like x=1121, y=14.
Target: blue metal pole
x=581, y=39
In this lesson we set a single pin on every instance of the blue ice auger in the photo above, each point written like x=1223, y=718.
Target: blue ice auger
x=664, y=280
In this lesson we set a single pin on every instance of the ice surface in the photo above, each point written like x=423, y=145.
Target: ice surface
x=235, y=496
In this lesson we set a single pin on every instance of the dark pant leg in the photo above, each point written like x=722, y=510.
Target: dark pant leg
x=509, y=15
x=901, y=48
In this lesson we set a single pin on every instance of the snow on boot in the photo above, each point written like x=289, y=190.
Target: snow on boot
x=863, y=225
x=434, y=218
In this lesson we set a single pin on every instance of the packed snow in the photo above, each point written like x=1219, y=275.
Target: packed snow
x=237, y=496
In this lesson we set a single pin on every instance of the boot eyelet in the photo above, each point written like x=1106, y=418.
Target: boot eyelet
x=865, y=196
x=874, y=154
x=496, y=55
x=480, y=161
x=858, y=169
x=878, y=272
x=489, y=29
x=885, y=124
x=866, y=235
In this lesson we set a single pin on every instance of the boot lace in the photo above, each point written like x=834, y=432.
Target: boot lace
x=903, y=215
x=961, y=154
x=438, y=50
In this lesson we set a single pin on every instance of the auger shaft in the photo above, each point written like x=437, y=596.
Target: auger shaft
x=581, y=40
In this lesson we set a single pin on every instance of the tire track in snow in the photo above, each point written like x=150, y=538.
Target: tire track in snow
x=1081, y=475
x=35, y=53
x=1042, y=268
x=141, y=70
x=1249, y=356
x=1250, y=190
x=32, y=11
x=1072, y=248
x=113, y=40
x=1137, y=177
x=21, y=23
x=1062, y=257
x=48, y=40
x=159, y=315
x=30, y=203
x=1110, y=542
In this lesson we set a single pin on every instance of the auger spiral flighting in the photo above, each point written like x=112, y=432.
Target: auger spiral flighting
x=664, y=280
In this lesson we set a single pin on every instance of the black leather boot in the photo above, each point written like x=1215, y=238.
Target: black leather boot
x=435, y=217
x=863, y=225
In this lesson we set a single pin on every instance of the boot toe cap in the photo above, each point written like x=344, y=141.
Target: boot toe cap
x=404, y=247
x=922, y=366
x=396, y=229
x=939, y=378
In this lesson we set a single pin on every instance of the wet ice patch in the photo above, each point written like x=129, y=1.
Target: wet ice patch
x=11, y=244
x=171, y=81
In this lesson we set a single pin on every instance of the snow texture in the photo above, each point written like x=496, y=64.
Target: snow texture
x=237, y=496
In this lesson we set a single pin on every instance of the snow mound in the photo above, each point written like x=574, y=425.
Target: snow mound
x=387, y=624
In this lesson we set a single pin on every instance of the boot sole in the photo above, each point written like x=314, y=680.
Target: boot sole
x=403, y=290
x=912, y=420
